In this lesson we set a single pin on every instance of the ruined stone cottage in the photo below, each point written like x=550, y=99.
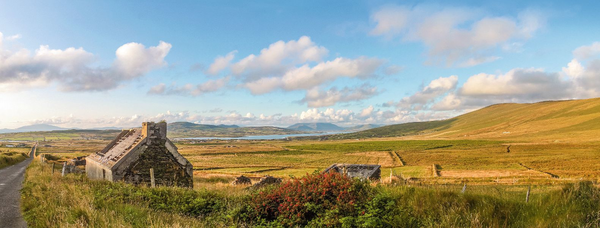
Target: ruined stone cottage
x=131, y=155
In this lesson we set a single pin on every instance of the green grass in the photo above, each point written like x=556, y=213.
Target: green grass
x=186, y=129
x=74, y=201
x=12, y=156
x=575, y=205
x=397, y=145
x=486, y=160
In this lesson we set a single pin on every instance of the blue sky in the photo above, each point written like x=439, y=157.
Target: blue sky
x=117, y=63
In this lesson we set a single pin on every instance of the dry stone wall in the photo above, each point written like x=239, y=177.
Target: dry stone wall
x=167, y=171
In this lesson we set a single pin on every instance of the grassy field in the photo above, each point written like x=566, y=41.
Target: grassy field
x=11, y=156
x=458, y=161
x=74, y=201
x=186, y=129
x=475, y=161
x=69, y=148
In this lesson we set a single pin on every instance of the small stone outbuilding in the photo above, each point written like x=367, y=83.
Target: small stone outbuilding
x=241, y=180
x=370, y=172
x=265, y=181
x=131, y=155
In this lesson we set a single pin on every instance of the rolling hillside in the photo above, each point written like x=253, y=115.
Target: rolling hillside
x=362, y=127
x=315, y=127
x=549, y=120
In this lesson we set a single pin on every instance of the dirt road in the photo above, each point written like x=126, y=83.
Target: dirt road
x=11, y=179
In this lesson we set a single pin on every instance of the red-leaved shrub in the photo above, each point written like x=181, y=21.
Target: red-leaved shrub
x=327, y=196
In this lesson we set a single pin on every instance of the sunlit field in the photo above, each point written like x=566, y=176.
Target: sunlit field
x=12, y=155
x=456, y=161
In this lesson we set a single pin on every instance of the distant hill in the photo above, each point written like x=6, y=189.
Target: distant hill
x=105, y=128
x=186, y=129
x=315, y=127
x=34, y=127
x=549, y=120
x=177, y=126
x=362, y=127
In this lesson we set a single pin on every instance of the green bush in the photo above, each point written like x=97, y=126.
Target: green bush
x=177, y=200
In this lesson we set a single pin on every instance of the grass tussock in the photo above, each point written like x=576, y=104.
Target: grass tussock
x=11, y=158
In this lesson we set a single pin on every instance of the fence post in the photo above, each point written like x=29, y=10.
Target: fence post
x=53, y=168
x=528, y=191
x=152, y=183
x=391, y=171
x=464, y=188
x=64, y=167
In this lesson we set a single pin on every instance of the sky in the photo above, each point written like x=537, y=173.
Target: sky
x=88, y=64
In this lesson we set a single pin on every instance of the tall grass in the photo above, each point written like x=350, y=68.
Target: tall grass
x=11, y=158
x=575, y=205
x=74, y=201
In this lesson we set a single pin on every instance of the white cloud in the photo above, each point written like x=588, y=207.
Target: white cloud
x=319, y=98
x=530, y=21
x=435, y=89
x=589, y=81
x=574, y=69
x=296, y=65
x=329, y=115
x=73, y=68
x=134, y=59
x=449, y=102
x=279, y=57
x=306, y=77
x=13, y=37
x=158, y=89
x=220, y=63
x=454, y=34
x=264, y=85
x=393, y=69
x=586, y=52
x=210, y=86
x=526, y=84
x=189, y=89
x=478, y=60
x=391, y=20
x=367, y=111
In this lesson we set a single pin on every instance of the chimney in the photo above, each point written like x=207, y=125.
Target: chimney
x=154, y=130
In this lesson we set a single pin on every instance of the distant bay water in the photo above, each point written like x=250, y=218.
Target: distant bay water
x=262, y=137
